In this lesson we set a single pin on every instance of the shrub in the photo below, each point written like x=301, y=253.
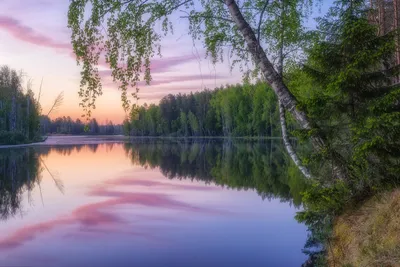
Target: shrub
x=12, y=138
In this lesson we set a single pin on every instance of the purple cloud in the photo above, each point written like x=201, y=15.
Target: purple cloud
x=29, y=35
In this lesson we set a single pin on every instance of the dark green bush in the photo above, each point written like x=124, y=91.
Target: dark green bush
x=9, y=138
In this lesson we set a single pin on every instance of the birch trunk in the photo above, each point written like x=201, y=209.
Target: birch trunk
x=282, y=118
x=275, y=81
x=288, y=145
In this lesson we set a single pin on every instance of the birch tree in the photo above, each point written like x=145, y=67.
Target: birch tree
x=124, y=32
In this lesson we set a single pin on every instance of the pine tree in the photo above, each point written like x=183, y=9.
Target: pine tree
x=356, y=104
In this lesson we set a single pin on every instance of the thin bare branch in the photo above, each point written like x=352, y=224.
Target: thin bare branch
x=57, y=103
x=40, y=91
x=208, y=17
x=260, y=21
x=57, y=181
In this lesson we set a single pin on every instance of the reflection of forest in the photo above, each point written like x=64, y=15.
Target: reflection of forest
x=259, y=166
x=66, y=150
x=19, y=172
x=247, y=165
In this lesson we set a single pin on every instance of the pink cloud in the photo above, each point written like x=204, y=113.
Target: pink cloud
x=29, y=35
x=165, y=64
x=28, y=5
x=107, y=80
x=96, y=216
x=158, y=65
x=159, y=93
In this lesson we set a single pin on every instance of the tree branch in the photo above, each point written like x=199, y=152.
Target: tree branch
x=209, y=17
x=57, y=103
x=178, y=6
x=260, y=21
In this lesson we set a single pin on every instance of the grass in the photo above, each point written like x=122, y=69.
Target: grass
x=369, y=235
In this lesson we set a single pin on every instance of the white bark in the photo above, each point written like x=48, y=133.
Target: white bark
x=276, y=82
x=288, y=145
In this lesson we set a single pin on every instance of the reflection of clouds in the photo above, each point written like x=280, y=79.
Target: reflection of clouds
x=102, y=218
x=154, y=200
x=28, y=233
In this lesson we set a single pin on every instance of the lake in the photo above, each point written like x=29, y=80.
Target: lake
x=104, y=202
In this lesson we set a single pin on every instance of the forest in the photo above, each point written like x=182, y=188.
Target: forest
x=240, y=110
x=67, y=126
x=19, y=110
x=22, y=120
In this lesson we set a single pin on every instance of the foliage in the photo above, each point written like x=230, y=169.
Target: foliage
x=65, y=125
x=12, y=138
x=19, y=111
x=240, y=110
x=126, y=34
x=321, y=205
x=354, y=101
x=349, y=87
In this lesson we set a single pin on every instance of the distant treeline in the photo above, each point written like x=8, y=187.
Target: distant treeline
x=65, y=125
x=19, y=110
x=240, y=110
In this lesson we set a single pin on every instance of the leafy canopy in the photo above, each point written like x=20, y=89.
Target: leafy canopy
x=128, y=35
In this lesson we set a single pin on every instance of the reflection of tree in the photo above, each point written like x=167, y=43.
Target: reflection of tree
x=19, y=172
x=260, y=166
x=66, y=150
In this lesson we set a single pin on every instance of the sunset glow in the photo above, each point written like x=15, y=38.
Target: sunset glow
x=34, y=38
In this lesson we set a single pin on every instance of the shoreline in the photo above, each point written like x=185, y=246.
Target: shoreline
x=44, y=139
x=53, y=140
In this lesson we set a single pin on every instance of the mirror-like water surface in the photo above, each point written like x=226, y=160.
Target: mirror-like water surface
x=150, y=204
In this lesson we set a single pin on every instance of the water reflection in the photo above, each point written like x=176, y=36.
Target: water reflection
x=119, y=209
x=242, y=166
x=19, y=172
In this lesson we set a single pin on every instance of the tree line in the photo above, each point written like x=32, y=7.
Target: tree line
x=66, y=125
x=239, y=110
x=19, y=109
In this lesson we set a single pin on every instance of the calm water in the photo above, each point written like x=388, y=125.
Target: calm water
x=149, y=204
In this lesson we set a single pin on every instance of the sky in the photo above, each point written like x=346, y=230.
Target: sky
x=34, y=38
